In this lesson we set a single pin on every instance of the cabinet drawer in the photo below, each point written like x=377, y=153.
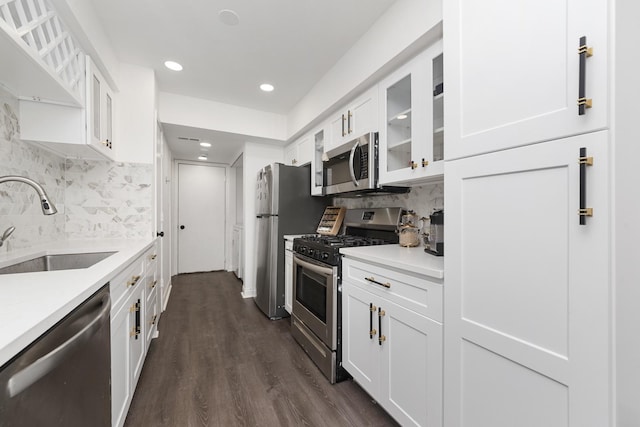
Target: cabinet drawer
x=130, y=278
x=151, y=282
x=150, y=258
x=414, y=293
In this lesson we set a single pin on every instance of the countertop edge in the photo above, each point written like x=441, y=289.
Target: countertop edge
x=413, y=260
x=96, y=276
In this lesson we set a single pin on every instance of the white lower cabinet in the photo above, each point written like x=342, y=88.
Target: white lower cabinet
x=528, y=295
x=390, y=345
x=134, y=316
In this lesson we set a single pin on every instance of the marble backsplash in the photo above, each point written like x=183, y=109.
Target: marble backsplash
x=422, y=199
x=95, y=199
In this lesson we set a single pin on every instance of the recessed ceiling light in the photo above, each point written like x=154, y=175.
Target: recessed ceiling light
x=205, y=144
x=402, y=117
x=202, y=157
x=172, y=65
x=266, y=87
x=228, y=17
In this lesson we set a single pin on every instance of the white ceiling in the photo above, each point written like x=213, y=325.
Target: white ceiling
x=288, y=43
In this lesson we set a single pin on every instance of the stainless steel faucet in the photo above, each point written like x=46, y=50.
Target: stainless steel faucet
x=47, y=207
x=6, y=235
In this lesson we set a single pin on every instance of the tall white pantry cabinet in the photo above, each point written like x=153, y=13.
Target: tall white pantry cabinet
x=542, y=325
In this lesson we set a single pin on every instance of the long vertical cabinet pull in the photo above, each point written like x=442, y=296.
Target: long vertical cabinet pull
x=138, y=306
x=584, y=162
x=349, y=115
x=381, y=337
x=584, y=52
x=343, y=119
x=372, y=332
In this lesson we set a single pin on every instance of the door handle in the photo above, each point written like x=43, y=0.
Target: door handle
x=160, y=234
x=352, y=156
x=182, y=227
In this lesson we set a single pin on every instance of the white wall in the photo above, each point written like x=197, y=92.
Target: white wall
x=204, y=114
x=405, y=23
x=626, y=205
x=136, y=115
x=255, y=157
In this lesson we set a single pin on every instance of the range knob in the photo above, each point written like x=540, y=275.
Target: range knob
x=311, y=252
x=325, y=256
x=303, y=250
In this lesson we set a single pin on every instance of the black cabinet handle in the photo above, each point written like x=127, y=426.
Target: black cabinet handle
x=372, y=309
x=372, y=280
x=584, y=162
x=584, y=53
x=138, y=307
x=182, y=227
x=160, y=234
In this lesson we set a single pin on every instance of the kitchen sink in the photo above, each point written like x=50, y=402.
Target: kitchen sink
x=56, y=262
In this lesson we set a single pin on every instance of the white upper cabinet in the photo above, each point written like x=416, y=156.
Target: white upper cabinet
x=513, y=72
x=317, y=166
x=299, y=152
x=411, y=120
x=356, y=119
x=41, y=60
x=100, y=111
x=69, y=131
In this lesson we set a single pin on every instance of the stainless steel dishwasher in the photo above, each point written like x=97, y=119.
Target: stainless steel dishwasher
x=63, y=378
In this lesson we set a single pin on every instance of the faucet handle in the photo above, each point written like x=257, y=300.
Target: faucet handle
x=6, y=234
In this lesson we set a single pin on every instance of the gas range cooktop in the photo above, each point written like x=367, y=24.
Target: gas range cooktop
x=326, y=248
x=362, y=227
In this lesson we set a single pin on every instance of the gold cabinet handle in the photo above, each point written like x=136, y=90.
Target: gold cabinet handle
x=153, y=321
x=382, y=338
x=349, y=115
x=154, y=256
x=413, y=164
x=425, y=163
x=133, y=281
x=343, y=120
x=372, y=280
x=153, y=285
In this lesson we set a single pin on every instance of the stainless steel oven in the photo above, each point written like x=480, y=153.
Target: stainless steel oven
x=315, y=310
x=316, y=318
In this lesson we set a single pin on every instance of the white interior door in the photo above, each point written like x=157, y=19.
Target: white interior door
x=201, y=218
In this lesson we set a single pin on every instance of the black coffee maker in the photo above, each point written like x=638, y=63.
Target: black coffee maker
x=434, y=241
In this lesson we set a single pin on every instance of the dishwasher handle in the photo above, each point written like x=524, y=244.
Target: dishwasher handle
x=23, y=379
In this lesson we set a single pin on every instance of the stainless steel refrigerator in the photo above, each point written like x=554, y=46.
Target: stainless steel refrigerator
x=284, y=205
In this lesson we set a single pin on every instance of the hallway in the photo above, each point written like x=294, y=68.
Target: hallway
x=220, y=362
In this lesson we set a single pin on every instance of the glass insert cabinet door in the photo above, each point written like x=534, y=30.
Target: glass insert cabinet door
x=398, y=123
x=411, y=115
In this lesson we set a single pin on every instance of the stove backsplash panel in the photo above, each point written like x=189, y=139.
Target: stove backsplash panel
x=95, y=199
x=422, y=199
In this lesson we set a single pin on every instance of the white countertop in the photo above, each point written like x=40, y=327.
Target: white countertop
x=30, y=303
x=415, y=259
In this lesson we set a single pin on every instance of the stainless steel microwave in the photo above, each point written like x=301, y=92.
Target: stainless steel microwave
x=351, y=167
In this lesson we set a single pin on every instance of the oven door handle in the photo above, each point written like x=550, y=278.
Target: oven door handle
x=351, y=159
x=325, y=271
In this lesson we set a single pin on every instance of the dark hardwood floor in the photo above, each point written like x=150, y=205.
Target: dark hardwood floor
x=220, y=362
